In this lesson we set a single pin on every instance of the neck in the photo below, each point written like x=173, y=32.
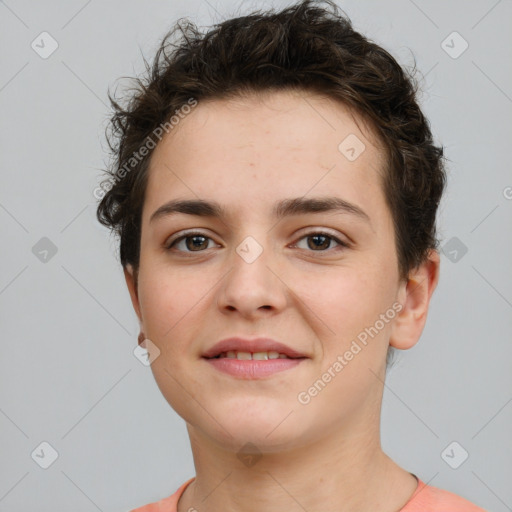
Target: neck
x=339, y=472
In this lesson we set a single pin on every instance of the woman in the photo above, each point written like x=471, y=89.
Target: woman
x=275, y=189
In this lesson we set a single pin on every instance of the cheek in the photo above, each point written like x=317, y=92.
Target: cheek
x=351, y=306
x=168, y=299
x=347, y=299
x=354, y=349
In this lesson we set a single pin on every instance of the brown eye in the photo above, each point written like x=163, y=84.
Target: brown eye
x=321, y=242
x=191, y=242
x=196, y=242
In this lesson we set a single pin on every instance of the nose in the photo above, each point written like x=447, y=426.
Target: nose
x=252, y=288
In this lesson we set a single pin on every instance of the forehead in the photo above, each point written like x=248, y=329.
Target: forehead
x=247, y=150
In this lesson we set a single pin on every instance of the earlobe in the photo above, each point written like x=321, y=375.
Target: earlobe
x=131, y=277
x=417, y=292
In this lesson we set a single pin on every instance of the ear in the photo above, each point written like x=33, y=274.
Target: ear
x=131, y=277
x=414, y=296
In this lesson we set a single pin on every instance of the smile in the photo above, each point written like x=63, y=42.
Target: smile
x=260, y=356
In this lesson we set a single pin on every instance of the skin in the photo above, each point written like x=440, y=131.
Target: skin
x=247, y=154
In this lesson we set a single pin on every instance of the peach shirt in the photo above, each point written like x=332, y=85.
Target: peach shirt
x=425, y=499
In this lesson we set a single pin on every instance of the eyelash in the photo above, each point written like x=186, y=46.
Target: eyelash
x=344, y=245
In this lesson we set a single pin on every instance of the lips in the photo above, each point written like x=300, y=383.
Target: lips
x=252, y=346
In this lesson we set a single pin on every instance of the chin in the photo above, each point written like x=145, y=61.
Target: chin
x=269, y=429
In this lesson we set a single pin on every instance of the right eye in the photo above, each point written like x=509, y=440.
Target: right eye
x=193, y=242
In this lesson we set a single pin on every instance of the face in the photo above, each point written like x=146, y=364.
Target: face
x=312, y=280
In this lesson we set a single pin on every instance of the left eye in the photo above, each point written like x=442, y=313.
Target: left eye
x=321, y=241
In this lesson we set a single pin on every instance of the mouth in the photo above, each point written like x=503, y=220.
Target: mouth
x=257, y=356
x=245, y=349
x=252, y=359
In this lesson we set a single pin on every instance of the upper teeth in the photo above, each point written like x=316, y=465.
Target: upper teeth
x=234, y=354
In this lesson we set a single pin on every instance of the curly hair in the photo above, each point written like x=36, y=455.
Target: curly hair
x=304, y=47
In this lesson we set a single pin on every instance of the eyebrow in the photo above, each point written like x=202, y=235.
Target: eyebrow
x=283, y=208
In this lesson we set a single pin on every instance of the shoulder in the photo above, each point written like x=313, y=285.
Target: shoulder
x=432, y=499
x=168, y=504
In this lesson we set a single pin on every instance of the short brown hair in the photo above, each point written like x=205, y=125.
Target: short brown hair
x=304, y=47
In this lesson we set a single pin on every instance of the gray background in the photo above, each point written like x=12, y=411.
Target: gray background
x=68, y=373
